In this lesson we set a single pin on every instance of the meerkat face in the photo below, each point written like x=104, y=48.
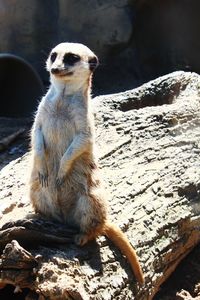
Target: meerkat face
x=70, y=61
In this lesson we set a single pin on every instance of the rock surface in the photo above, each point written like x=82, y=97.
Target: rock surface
x=148, y=145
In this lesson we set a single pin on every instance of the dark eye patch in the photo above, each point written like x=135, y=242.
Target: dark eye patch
x=53, y=56
x=70, y=58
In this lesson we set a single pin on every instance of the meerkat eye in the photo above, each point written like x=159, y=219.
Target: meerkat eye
x=71, y=58
x=53, y=56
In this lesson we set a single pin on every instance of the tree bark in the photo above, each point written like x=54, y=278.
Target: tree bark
x=148, y=142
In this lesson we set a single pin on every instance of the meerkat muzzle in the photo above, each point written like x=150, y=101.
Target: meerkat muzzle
x=55, y=71
x=60, y=73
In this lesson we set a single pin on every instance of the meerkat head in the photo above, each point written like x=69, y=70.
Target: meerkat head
x=70, y=62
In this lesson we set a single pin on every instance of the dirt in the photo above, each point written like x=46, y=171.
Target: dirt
x=185, y=281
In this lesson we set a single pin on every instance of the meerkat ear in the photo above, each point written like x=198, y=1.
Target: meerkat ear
x=93, y=63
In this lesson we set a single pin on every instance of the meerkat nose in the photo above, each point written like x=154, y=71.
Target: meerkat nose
x=55, y=70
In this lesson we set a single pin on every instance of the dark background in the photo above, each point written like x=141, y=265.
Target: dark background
x=136, y=40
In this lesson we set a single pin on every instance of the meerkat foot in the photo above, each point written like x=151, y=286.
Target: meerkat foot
x=43, y=179
x=81, y=239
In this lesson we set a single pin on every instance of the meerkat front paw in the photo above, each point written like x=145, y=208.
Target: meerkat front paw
x=42, y=174
x=59, y=182
x=60, y=178
x=41, y=169
x=43, y=179
x=62, y=173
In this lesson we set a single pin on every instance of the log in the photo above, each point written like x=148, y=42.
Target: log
x=6, y=141
x=148, y=143
x=37, y=231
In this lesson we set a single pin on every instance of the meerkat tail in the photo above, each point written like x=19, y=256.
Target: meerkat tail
x=115, y=234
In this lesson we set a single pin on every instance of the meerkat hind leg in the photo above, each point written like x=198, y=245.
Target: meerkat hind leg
x=89, y=220
x=82, y=238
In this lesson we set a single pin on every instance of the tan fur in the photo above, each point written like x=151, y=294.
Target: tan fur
x=64, y=182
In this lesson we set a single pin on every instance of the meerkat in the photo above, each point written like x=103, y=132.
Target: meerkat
x=64, y=183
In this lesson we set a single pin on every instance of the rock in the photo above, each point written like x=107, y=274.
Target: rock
x=101, y=25
x=148, y=145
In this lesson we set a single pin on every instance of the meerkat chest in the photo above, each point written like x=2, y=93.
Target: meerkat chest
x=61, y=122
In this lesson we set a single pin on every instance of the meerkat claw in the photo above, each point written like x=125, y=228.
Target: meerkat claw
x=40, y=178
x=43, y=179
x=59, y=182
